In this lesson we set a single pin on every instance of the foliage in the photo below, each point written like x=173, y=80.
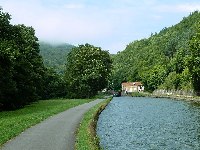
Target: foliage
x=171, y=81
x=14, y=122
x=153, y=77
x=87, y=71
x=86, y=137
x=160, y=61
x=138, y=94
x=54, y=85
x=21, y=66
x=193, y=60
x=55, y=55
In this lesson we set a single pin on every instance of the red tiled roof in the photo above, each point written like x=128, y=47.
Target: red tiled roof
x=131, y=83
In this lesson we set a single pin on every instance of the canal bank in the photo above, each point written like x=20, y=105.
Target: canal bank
x=86, y=137
x=191, y=99
x=149, y=123
x=170, y=95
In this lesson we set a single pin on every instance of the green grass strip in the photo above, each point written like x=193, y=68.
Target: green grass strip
x=12, y=123
x=86, y=138
x=139, y=94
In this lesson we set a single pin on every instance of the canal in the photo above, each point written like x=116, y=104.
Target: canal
x=134, y=123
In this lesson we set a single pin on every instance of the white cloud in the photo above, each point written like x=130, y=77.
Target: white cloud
x=73, y=6
x=157, y=17
x=61, y=24
x=188, y=7
x=178, y=8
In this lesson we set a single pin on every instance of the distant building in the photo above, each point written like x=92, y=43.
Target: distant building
x=129, y=87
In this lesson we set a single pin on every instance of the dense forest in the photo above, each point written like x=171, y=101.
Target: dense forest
x=54, y=55
x=166, y=60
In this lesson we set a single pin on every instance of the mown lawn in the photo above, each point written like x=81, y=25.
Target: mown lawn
x=13, y=123
x=86, y=138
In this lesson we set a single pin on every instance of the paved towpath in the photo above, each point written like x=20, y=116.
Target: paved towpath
x=55, y=133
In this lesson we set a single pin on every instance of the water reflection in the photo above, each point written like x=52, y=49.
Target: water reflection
x=148, y=123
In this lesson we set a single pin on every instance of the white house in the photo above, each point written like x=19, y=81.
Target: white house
x=129, y=87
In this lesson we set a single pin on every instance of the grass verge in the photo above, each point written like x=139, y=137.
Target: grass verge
x=86, y=138
x=137, y=94
x=13, y=123
x=140, y=94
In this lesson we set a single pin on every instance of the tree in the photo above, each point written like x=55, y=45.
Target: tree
x=193, y=60
x=172, y=81
x=171, y=47
x=55, y=85
x=153, y=77
x=87, y=70
x=7, y=58
x=29, y=68
x=21, y=66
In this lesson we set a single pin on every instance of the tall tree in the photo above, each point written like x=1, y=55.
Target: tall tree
x=87, y=70
x=193, y=60
x=21, y=66
x=7, y=57
x=29, y=68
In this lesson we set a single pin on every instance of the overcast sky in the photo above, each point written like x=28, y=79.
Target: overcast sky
x=110, y=24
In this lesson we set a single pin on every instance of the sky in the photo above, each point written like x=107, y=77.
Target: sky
x=109, y=24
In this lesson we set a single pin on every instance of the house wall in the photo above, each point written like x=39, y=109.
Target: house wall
x=133, y=88
x=140, y=88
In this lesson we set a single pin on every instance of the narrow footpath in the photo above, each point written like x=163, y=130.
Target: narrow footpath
x=55, y=133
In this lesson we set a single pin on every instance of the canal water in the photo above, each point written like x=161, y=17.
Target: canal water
x=130, y=123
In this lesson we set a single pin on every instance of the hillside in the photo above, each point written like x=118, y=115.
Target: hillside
x=55, y=55
x=159, y=61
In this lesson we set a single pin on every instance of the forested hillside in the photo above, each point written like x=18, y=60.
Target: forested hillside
x=54, y=56
x=164, y=60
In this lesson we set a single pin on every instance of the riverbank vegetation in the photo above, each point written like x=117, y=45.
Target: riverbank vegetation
x=139, y=94
x=166, y=60
x=86, y=137
x=13, y=123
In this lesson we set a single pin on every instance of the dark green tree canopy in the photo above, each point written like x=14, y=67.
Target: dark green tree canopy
x=21, y=66
x=87, y=71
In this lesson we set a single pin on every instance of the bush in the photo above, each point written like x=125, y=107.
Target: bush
x=138, y=94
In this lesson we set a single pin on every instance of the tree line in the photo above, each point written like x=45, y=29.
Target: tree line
x=24, y=78
x=166, y=60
